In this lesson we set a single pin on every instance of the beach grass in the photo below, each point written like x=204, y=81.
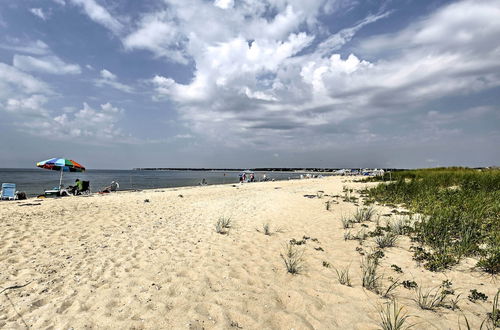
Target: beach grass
x=461, y=209
x=343, y=276
x=293, y=257
x=393, y=317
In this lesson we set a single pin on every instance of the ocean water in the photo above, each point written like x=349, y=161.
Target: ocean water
x=35, y=181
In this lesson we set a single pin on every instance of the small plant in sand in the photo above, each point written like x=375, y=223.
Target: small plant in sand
x=477, y=295
x=492, y=320
x=393, y=285
x=396, y=268
x=453, y=302
x=430, y=299
x=370, y=279
x=293, y=257
x=364, y=214
x=399, y=226
x=348, y=236
x=343, y=276
x=407, y=284
x=266, y=230
x=223, y=225
x=326, y=264
x=393, y=317
x=387, y=240
x=346, y=222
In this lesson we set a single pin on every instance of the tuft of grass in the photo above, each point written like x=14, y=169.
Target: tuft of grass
x=387, y=240
x=399, y=227
x=343, y=276
x=293, y=257
x=392, y=286
x=266, y=230
x=223, y=225
x=492, y=320
x=490, y=263
x=393, y=317
x=430, y=299
x=348, y=236
x=370, y=279
x=346, y=222
x=364, y=214
x=453, y=303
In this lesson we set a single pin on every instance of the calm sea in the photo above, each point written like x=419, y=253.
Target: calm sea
x=35, y=181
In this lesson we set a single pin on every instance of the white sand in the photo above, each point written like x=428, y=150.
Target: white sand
x=114, y=261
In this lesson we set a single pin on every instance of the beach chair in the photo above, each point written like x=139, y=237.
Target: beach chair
x=85, y=189
x=8, y=191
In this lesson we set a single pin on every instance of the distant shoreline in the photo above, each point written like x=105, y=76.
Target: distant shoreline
x=263, y=169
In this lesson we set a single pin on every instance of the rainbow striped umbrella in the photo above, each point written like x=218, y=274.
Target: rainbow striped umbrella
x=62, y=165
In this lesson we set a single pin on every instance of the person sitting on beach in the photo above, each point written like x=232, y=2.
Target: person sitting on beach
x=78, y=187
x=112, y=187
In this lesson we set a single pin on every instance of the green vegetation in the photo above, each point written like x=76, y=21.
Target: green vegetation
x=461, y=214
x=393, y=317
x=223, y=225
x=370, y=278
x=343, y=276
x=293, y=258
x=477, y=295
x=387, y=240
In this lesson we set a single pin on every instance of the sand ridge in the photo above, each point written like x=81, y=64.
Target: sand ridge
x=152, y=259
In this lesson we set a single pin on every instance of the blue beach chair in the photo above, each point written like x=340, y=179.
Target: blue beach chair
x=8, y=191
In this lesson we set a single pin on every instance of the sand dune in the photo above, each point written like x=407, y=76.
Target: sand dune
x=116, y=261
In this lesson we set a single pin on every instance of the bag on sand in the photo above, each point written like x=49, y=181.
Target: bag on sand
x=21, y=195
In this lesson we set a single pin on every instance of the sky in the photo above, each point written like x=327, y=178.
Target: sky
x=120, y=84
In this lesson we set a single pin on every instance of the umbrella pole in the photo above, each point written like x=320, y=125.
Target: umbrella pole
x=60, y=179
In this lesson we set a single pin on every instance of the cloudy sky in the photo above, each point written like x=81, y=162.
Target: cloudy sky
x=250, y=83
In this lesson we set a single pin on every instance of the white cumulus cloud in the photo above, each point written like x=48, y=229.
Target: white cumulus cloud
x=45, y=64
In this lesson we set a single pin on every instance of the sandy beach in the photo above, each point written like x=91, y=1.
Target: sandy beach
x=152, y=260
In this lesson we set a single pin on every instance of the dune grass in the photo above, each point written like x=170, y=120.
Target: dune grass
x=462, y=213
x=393, y=317
x=343, y=276
x=223, y=225
x=293, y=257
x=387, y=240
